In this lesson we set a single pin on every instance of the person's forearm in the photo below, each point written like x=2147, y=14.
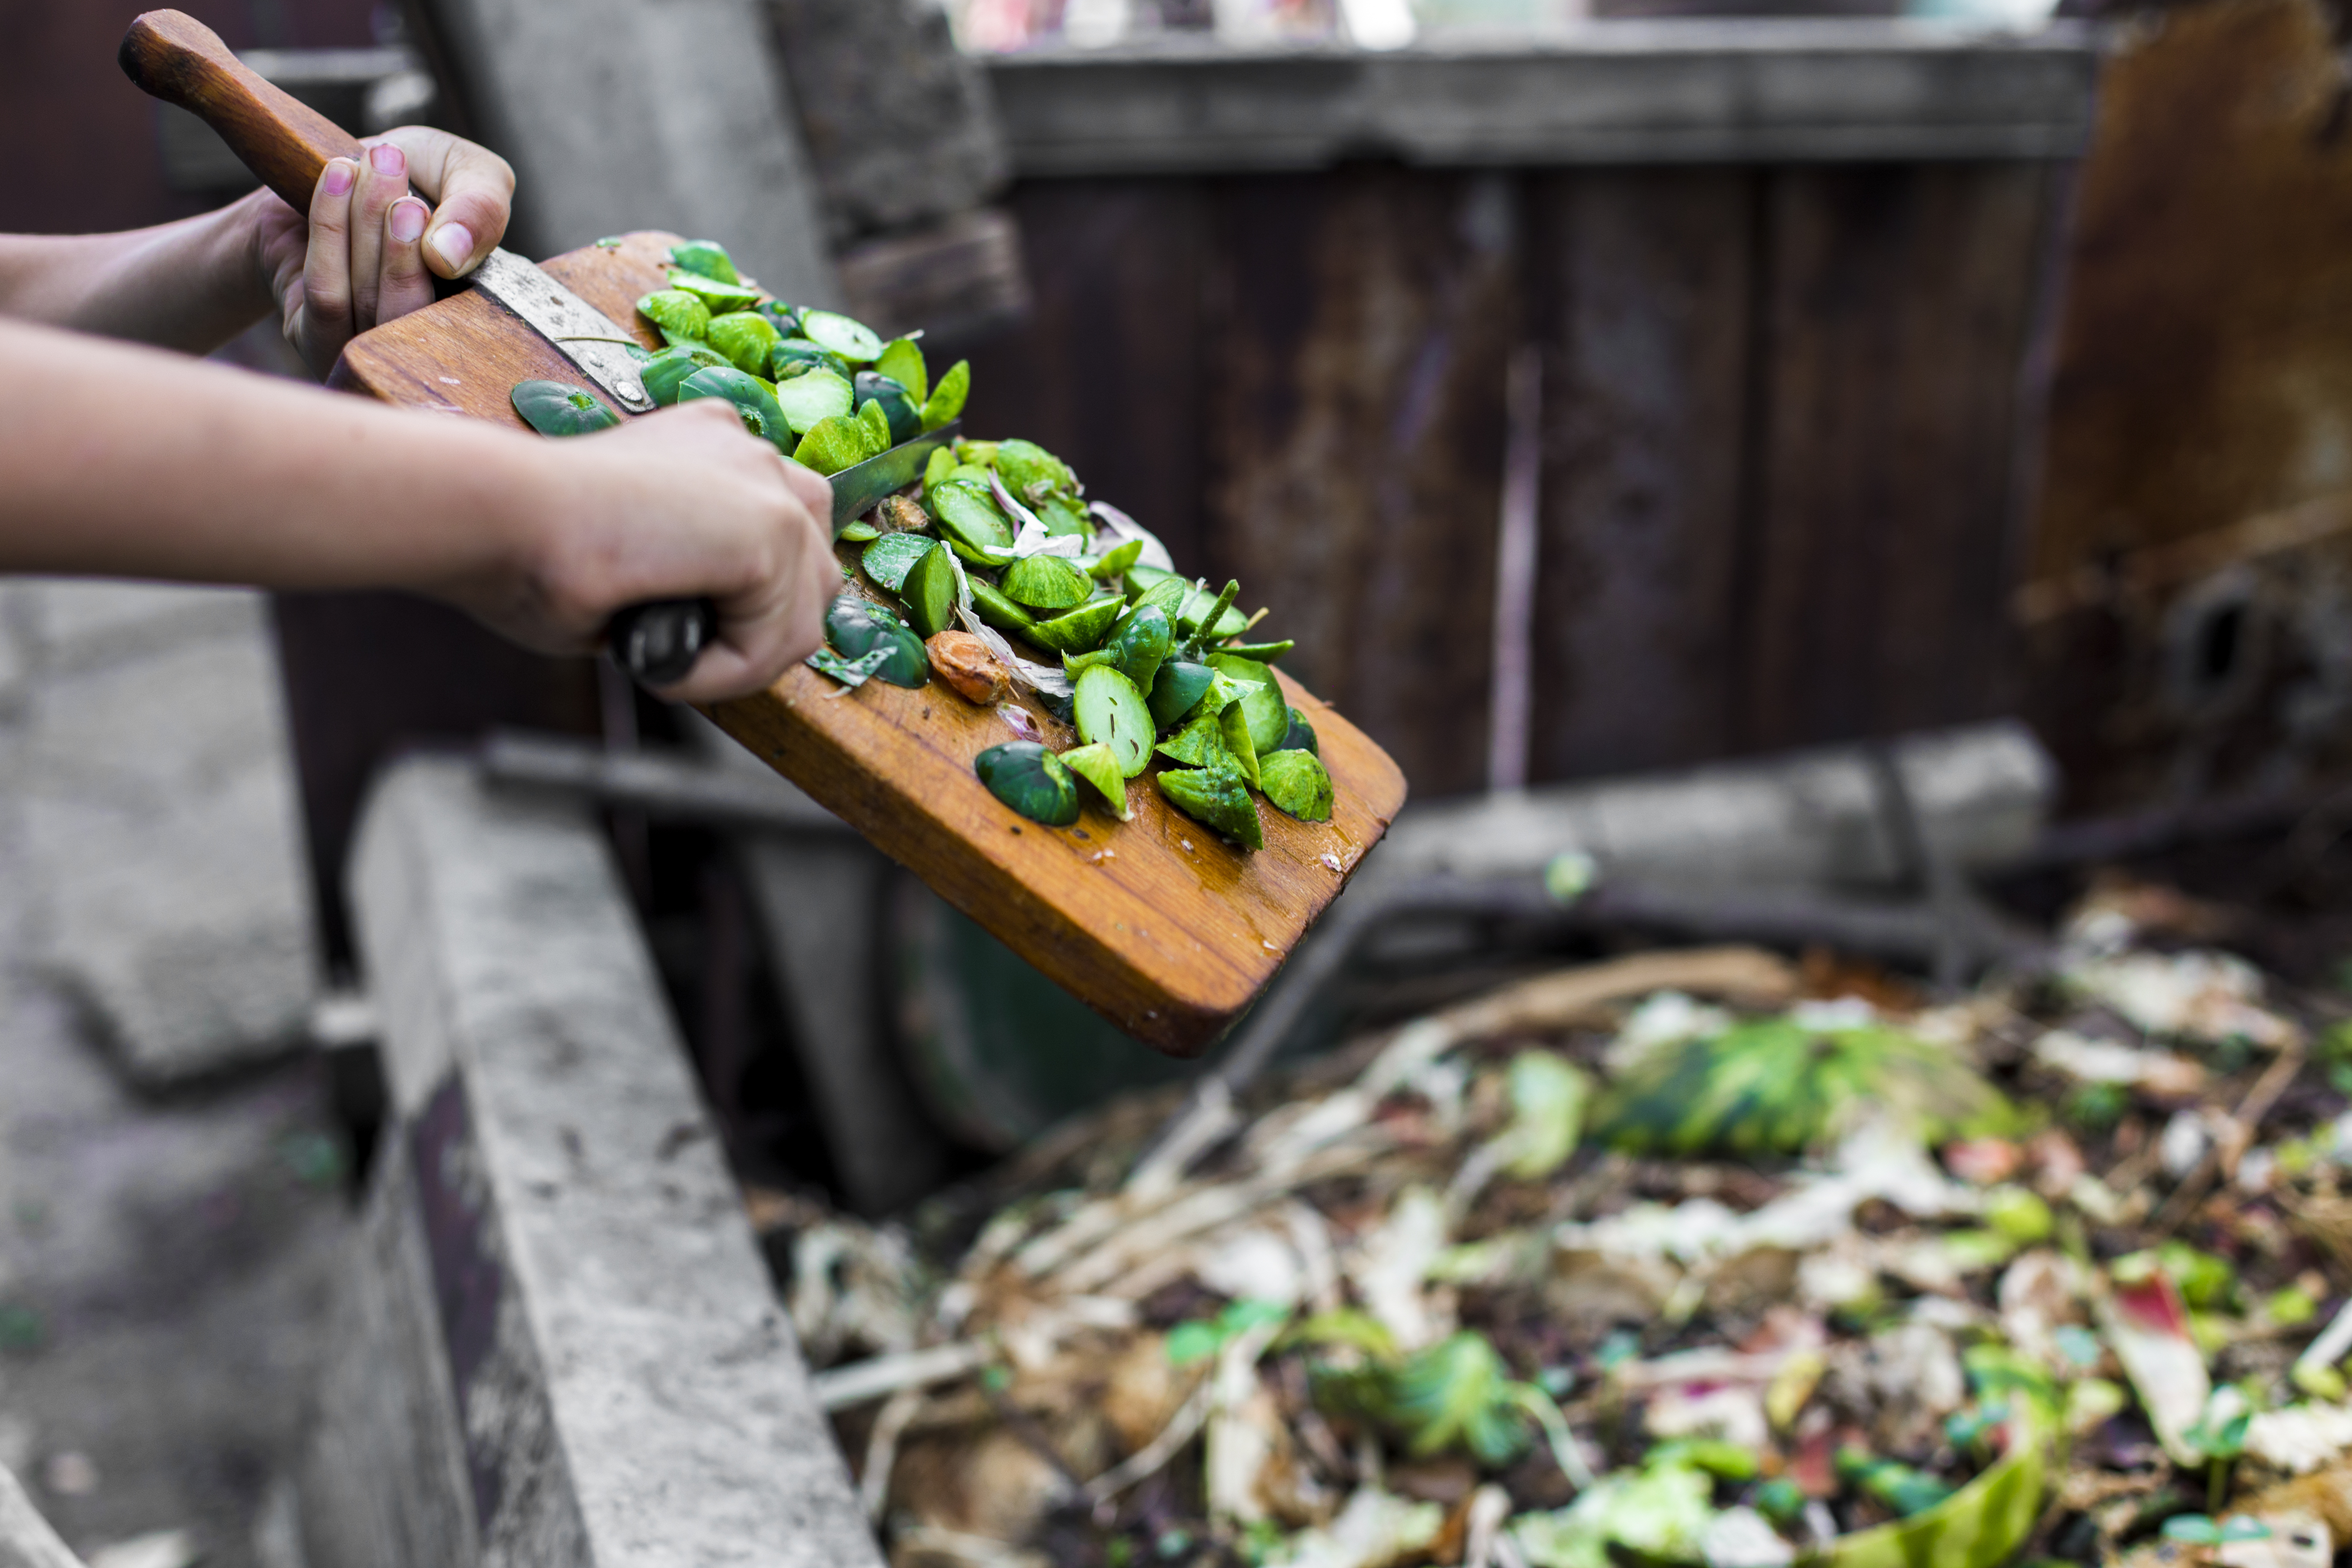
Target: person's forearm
x=119, y=462
x=191, y=285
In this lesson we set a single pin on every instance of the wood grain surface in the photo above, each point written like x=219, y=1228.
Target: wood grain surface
x=1157, y=923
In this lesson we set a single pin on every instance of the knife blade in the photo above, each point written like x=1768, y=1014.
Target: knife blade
x=582, y=333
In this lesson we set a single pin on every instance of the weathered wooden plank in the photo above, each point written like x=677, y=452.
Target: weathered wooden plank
x=1359, y=329
x=1107, y=371
x=2202, y=379
x=1898, y=303
x=1721, y=91
x=1642, y=287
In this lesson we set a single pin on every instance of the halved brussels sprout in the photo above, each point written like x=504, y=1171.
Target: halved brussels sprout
x=720, y=297
x=945, y=404
x=906, y=420
x=1030, y=778
x=902, y=361
x=809, y=400
x=1046, y=583
x=746, y=338
x=676, y=312
x=1297, y=782
x=850, y=338
x=1219, y=797
x=750, y=397
x=706, y=258
x=558, y=408
x=856, y=627
x=667, y=371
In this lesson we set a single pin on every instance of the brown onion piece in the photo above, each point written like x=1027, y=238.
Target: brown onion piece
x=964, y=662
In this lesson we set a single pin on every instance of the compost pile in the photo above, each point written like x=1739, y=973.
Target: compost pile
x=1689, y=1257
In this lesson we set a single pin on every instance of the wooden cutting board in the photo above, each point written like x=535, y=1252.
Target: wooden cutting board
x=1157, y=923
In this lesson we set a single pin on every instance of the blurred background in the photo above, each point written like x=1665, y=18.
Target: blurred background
x=1597, y=392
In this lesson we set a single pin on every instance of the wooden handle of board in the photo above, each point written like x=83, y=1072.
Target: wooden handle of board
x=174, y=57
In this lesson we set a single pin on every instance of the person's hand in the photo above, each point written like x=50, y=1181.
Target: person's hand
x=676, y=505
x=368, y=249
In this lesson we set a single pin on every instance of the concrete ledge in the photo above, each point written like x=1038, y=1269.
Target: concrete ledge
x=559, y=1344
x=1608, y=92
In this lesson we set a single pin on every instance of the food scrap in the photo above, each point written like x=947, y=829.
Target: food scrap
x=1660, y=1261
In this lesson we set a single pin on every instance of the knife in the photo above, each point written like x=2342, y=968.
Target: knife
x=172, y=56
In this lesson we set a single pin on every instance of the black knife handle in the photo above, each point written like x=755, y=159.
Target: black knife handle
x=659, y=643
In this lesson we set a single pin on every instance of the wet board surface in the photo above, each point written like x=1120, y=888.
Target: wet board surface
x=1157, y=923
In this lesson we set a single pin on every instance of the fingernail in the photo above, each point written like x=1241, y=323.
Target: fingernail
x=455, y=241
x=408, y=215
x=340, y=174
x=388, y=160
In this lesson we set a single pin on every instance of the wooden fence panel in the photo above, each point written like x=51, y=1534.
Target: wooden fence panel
x=1359, y=326
x=1641, y=288
x=1898, y=303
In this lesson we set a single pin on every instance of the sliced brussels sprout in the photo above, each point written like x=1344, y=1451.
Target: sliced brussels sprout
x=945, y=405
x=1098, y=765
x=705, y=259
x=1233, y=728
x=1001, y=612
x=856, y=627
x=750, y=397
x=1139, y=645
x=902, y=361
x=798, y=356
x=721, y=298
x=1268, y=714
x=1301, y=737
x=889, y=558
x=832, y=444
x=746, y=338
x=906, y=420
x=1046, y=583
x=1178, y=688
x=675, y=310
x=1219, y=797
x=852, y=339
x=1030, y=778
x=810, y=400
x=558, y=408
x=666, y=371
x=969, y=514
x=1111, y=712
x=1197, y=743
x=1031, y=472
x=1078, y=631
x=1296, y=782
x=930, y=590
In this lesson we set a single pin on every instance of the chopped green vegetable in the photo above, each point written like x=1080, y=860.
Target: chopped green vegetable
x=852, y=339
x=1098, y=765
x=809, y=400
x=1030, y=778
x=556, y=408
x=930, y=591
x=902, y=361
x=945, y=404
x=746, y=338
x=706, y=258
x=1046, y=583
x=1218, y=796
x=1297, y=783
x=1111, y=712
